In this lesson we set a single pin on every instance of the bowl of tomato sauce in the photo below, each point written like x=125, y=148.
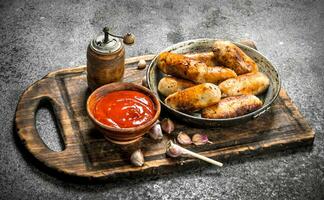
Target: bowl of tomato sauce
x=123, y=112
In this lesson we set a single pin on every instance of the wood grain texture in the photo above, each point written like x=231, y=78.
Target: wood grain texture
x=88, y=154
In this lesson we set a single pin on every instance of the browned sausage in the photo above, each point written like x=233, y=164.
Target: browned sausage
x=169, y=85
x=232, y=107
x=252, y=83
x=231, y=56
x=194, y=98
x=187, y=68
x=205, y=57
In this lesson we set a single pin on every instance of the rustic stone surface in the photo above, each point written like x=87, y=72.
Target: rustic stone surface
x=38, y=37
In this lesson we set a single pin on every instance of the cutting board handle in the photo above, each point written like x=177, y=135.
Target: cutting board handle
x=25, y=120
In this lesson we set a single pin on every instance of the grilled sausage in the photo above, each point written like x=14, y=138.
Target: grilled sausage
x=231, y=56
x=170, y=85
x=187, y=68
x=232, y=107
x=206, y=57
x=194, y=98
x=252, y=83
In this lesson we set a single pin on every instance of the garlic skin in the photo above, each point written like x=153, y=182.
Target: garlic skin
x=173, y=150
x=156, y=132
x=137, y=158
x=183, y=138
x=167, y=125
x=200, y=139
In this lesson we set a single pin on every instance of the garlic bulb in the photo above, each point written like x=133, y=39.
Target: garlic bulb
x=156, y=132
x=173, y=150
x=167, y=125
x=200, y=139
x=183, y=138
x=137, y=158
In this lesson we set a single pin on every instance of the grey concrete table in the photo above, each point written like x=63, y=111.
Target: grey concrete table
x=37, y=37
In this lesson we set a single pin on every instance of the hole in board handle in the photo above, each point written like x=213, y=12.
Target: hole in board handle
x=48, y=127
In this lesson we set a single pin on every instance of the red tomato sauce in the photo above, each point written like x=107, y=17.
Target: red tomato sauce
x=124, y=109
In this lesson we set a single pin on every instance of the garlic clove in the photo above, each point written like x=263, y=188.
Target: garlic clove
x=156, y=132
x=141, y=64
x=137, y=158
x=173, y=150
x=249, y=43
x=183, y=138
x=200, y=139
x=167, y=125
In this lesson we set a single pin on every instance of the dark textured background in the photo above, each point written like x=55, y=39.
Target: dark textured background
x=37, y=37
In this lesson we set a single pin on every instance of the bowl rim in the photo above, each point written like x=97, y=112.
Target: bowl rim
x=147, y=92
x=188, y=42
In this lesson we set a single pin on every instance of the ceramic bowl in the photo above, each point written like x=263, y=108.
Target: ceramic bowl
x=121, y=135
x=154, y=75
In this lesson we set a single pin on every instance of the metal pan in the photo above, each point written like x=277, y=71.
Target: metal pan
x=153, y=76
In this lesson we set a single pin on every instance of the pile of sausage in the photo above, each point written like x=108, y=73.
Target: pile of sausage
x=221, y=84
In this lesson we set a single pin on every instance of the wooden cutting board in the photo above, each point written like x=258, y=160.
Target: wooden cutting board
x=88, y=154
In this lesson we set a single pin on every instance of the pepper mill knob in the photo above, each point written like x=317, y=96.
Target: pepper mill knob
x=129, y=38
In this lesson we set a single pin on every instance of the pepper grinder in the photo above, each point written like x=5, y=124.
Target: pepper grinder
x=106, y=58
